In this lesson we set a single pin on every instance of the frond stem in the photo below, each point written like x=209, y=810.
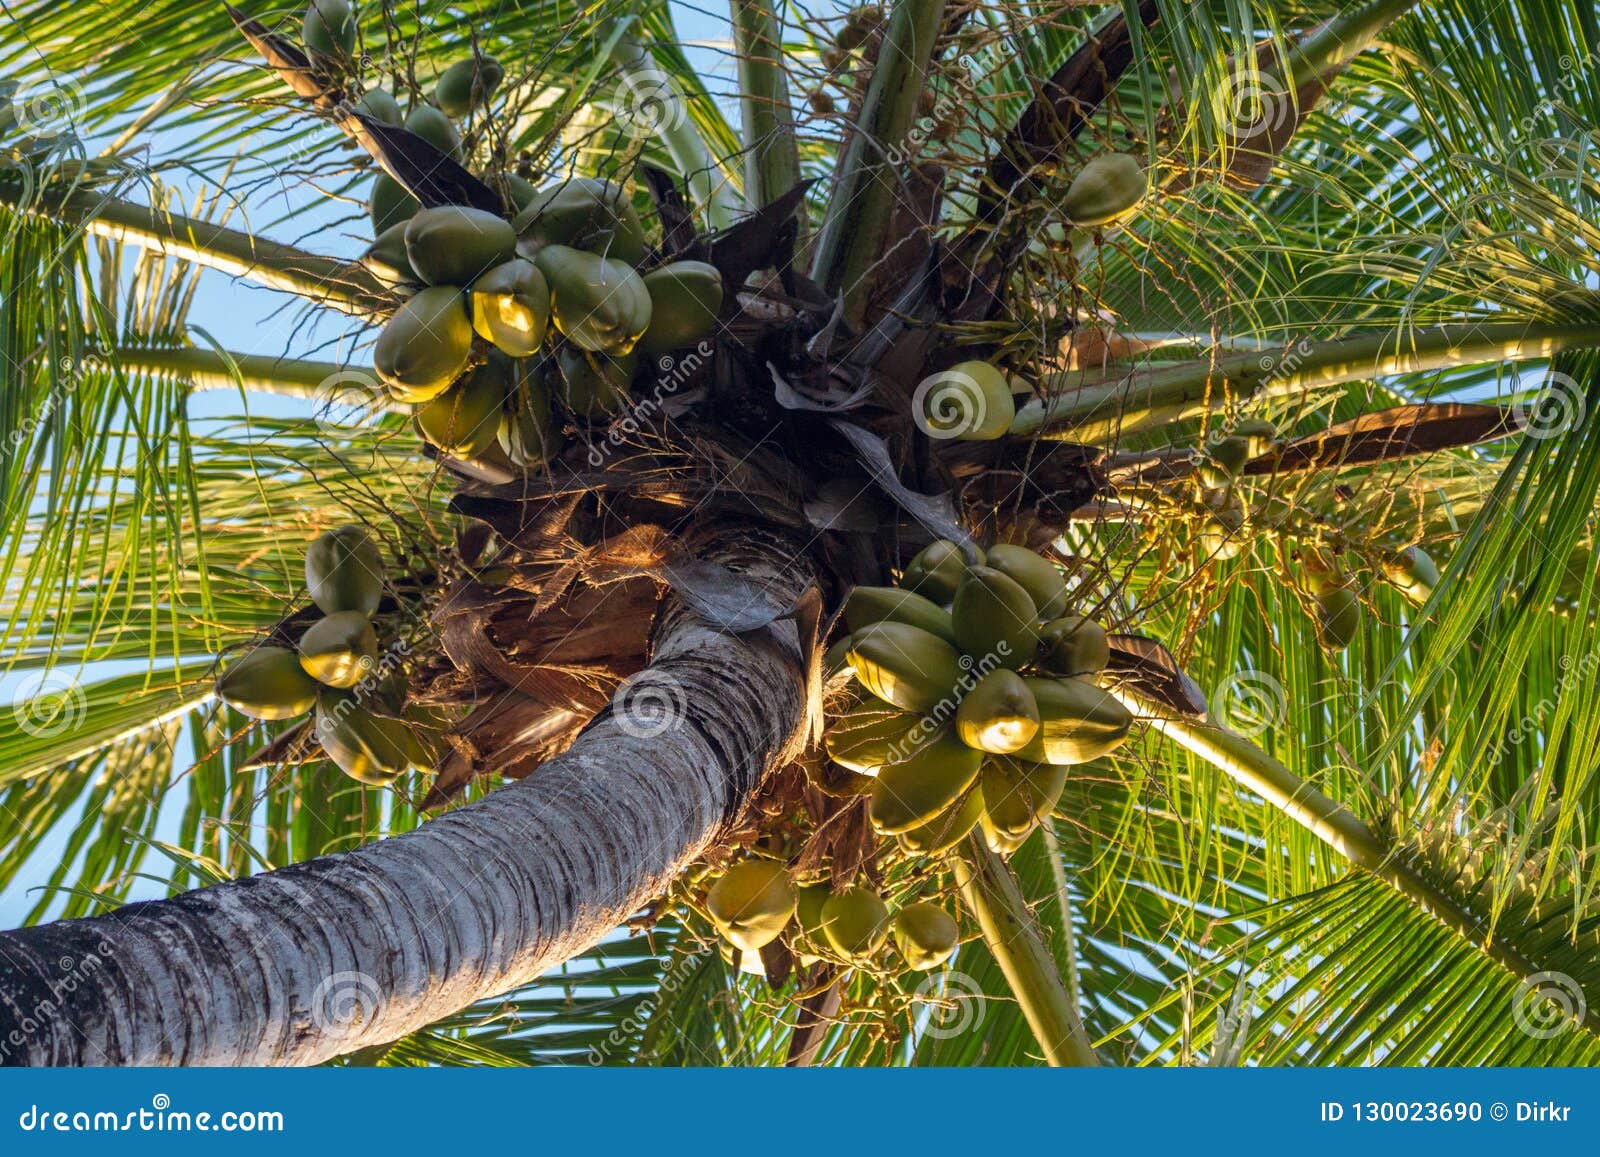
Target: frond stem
x=1009, y=931
x=207, y=369
x=772, y=156
x=341, y=285
x=1333, y=824
x=709, y=185
x=864, y=189
x=1100, y=408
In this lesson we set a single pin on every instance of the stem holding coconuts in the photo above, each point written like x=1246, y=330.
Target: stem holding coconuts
x=990, y=890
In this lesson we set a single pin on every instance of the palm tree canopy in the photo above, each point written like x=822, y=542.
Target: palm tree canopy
x=1384, y=208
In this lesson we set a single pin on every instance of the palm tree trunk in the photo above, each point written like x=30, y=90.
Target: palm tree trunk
x=351, y=950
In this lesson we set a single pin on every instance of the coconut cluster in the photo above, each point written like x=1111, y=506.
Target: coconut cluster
x=975, y=691
x=757, y=901
x=971, y=690
x=334, y=669
x=1330, y=586
x=507, y=318
x=512, y=322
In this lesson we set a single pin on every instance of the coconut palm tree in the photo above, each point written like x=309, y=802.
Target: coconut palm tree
x=1347, y=309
